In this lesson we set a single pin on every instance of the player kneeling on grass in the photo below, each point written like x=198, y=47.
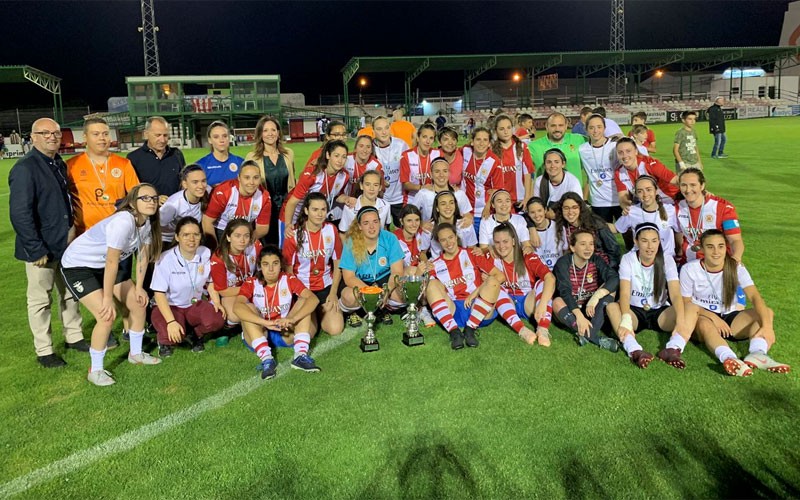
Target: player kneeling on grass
x=708, y=287
x=91, y=265
x=460, y=298
x=275, y=304
x=415, y=244
x=520, y=295
x=179, y=280
x=586, y=284
x=649, y=297
x=371, y=257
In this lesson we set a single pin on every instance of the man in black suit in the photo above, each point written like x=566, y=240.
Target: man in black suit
x=41, y=215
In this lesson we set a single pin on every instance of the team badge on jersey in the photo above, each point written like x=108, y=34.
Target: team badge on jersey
x=284, y=292
x=200, y=269
x=709, y=218
x=382, y=261
x=233, y=167
x=78, y=286
x=590, y=278
x=116, y=173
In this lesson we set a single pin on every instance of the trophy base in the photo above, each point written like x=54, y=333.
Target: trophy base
x=369, y=347
x=412, y=341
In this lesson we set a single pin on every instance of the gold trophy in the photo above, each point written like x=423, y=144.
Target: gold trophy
x=370, y=298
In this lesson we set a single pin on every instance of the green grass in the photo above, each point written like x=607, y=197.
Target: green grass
x=502, y=421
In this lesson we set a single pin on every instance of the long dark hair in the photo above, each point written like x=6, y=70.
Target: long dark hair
x=519, y=260
x=225, y=245
x=322, y=161
x=267, y=250
x=701, y=178
x=497, y=148
x=730, y=278
x=586, y=219
x=659, y=275
x=438, y=228
x=128, y=204
x=544, y=182
x=300, y=231
x=435, y=213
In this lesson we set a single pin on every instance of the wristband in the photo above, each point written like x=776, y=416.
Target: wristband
x=681, y=164
x=173, y=321
x=627, y=322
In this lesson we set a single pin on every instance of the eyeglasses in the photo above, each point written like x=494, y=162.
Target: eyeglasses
x=147, y=198
x=47, y=134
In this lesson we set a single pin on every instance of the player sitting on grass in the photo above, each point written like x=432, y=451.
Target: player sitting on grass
x=586, y=284
x=461, y=300
x=649, y=297
x=527, y=287
x=276, y=305
x=709, y=288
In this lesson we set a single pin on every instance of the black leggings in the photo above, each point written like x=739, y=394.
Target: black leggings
x=569, y=320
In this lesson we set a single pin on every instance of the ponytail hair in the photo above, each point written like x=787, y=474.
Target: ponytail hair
x=659, y=274
x=194, y=167
x=730, y=277
x=497, y=149
x=662, y=212
x=544, y=182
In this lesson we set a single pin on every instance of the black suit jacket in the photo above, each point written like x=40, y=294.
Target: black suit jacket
x=40, y=210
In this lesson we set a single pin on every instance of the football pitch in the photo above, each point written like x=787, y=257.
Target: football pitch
x=506, y=420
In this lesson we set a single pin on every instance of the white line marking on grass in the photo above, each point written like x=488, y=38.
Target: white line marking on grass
x=134, y=438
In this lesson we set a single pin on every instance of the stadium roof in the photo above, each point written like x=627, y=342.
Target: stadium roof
x=475, y=64
x=202, y=78
x=22, y=74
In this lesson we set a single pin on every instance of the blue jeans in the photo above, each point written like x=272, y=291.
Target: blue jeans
x=719, y=144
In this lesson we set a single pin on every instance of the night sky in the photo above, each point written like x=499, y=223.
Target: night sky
x=93, y=45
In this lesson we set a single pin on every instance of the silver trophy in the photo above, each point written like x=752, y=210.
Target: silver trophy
x=371, y=298
x=412, y=290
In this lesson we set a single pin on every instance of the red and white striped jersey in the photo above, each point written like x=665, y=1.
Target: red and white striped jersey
x=461, y=275
x=226, y=204
x=421, y=242
x=309, y=182
x=417, y=169
x=245, y=266
x=514, y=168
x=272, y=301
x=312, y=263
x=355, y=171
x=480, y=176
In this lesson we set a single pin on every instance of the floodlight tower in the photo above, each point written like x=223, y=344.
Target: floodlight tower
x=148, y=29
x=616, y=73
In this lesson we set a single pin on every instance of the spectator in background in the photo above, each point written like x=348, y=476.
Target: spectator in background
x=97, y=178
x=684, y=148
x=716, y=127
x=580, y=127
x=2, y=146
x=612, y=127
x=155, y=162
x=557, y=137
x=402, y=128
x=362, y=122
x=38, y=198
x=649, y=143
x=525, y=131
x=322, y=128
x=441, y=121
x=366, y=128
x=220, y=165
x=14, y=138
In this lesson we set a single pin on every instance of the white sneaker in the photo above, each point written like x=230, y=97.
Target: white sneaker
x=101, y=378
x=143, y=359
x=426, y=318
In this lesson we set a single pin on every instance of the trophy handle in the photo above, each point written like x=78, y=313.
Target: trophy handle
x=424, y=288
x=398, y=282
x=357, y=295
